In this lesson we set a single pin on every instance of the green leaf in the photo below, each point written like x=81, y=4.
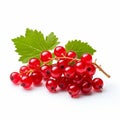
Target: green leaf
x=79, y=47
x=52, y=41
x=33, y=43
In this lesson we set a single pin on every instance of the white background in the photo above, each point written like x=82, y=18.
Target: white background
x=94, y=21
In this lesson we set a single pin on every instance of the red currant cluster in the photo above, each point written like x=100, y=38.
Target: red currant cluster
x=69, y=73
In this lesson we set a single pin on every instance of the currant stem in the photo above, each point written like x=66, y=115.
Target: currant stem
x=57, y=58
x=69, y=58
x=76, y=59
x=100, y=69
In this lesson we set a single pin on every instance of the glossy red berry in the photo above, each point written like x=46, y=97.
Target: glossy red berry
x=90, y=69
x=51, y=85
x=56, y=72
x=97, y=84
x=15, y=77
x=59, y=51
x=34, y=63
x=73, y=90
x=71, y=54
x=86, y=87
x=77, y=80
x=26, y=82
x=62, y=63
x=45, y=56
x=80, y=67
x=36, y=78
x=86, y=78
x=86, y=58
x=62, y=83
x=69, y=72
x=24, y=70
x=46, y=71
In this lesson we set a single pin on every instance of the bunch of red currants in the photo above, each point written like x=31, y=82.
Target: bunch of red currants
x=68, y=73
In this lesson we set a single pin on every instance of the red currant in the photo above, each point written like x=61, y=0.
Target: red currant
x=80, y=67
x=56, y=72
x=59, y=51
x=34, y=63
x=97, y=84
x=62, y=83
x=86, y=78
x=86, y=87
x=51, y=85
x=73, y=90
x=45, y=56
x=36, y=78
x=26, y=82
x=90, y=69
x=86, y=58
x=15, y=77
x=46, y=71
x=69, y=72
x=71, y=54
x=77, y=80
x=24, y=69
x=62, y=63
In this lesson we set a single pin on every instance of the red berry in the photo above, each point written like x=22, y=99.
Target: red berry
x=59, y=51
x=86, y=78
x=34, y=63
x=77, y=80
x=62, y=63
x=56, y=72
x=71, y=54
x=46, y=71
x=90, y=69
x=86, y=58
x=86, y=87
x=97, y=84
x=24, y=69
x=69, y=72
x=80, y=67
x=15, y=77
x=36, y=78
x=45, y=56
x=73, y=90
x=26, y=82
x=51, y=85
x=62, y=83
